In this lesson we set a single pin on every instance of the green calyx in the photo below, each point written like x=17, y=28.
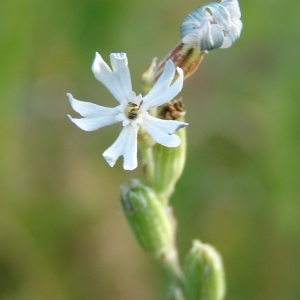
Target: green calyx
x=149, y=220
x=204, y=273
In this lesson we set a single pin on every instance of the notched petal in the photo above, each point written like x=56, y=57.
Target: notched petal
x=93, y=123
x=166, y=94
x=169, y=126
x=121, y=72
x=104, y=74
x=163, y=81
x=126, y=145
x=162, y=131
x=88, y=109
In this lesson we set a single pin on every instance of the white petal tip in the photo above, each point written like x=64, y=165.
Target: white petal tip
x=170, y=62
x=129, y=168
x=172, y=141
x=182, y=125
x=109, y=159
x=170, y=67
x=73, y=120
x=180, y=71
x=112, y=162
x=175, y=142
x=119, y=55
x=70, y=97
x=97, y=62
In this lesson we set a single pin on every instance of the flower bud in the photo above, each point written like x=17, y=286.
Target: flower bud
x=213, y=25
x=185, y=56
x=148, y=219
x=204, y=273
x=169, y=162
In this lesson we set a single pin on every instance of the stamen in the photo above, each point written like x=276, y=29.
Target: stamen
x=133, y=110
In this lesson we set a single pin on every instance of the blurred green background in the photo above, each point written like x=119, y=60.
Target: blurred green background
x=62, y=231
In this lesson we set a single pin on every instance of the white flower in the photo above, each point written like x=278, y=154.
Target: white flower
x=132, y=109
x=213, y=25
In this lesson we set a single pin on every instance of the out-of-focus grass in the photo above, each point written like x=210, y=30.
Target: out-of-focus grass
x=62, y=232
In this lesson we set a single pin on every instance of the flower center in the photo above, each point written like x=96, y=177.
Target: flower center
x=132, y=110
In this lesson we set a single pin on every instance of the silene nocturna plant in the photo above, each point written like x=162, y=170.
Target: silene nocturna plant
x=155, y=124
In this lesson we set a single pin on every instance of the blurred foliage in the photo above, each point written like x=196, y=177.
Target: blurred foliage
x=62, y=231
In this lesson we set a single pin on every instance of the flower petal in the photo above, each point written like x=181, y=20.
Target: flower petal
x=105, y=75
x=233, y=8
x=165, y=95
x=220, y=14
x=161, y=130
x=94, y=123
x=195, y=25
x=235, y=31
x=96, y=116
x=126, y=145
x=169, y=126
x=163, y=81
x=210, y=36
x=121, y=72
x=87, y=109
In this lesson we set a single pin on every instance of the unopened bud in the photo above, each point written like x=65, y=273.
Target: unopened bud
x=204, y=273
x=169, y=162
x=148, y=219
x=213, y=25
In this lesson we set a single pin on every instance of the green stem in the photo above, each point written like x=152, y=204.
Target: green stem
x=171, y=264
x=148, y=164
x=173, y=267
